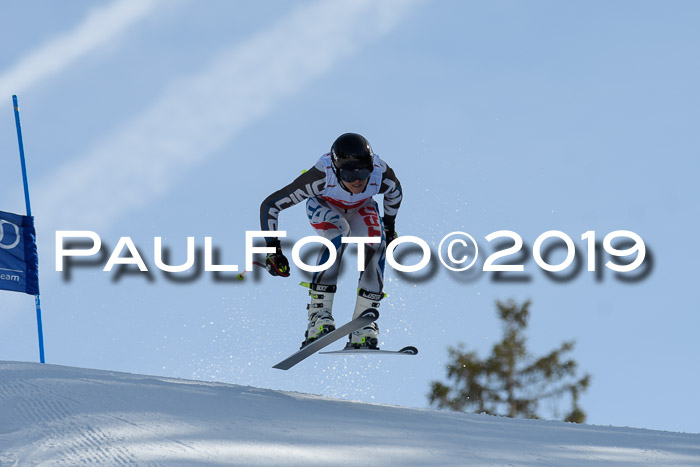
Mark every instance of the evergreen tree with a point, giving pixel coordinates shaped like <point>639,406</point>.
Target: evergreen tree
<point>510,382</point>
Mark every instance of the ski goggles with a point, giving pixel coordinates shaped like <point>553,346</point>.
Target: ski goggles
<point>350,175</point>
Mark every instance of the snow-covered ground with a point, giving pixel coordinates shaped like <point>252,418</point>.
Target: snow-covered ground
<point>55,415</point>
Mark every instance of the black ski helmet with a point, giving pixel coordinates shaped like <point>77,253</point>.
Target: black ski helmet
<point>351,151</point>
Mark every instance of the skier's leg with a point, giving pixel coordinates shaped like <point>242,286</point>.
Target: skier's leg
<point>367,223</point>
<point>330,224</point>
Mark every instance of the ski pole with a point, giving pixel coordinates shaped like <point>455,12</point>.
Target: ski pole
<point>241,276</point>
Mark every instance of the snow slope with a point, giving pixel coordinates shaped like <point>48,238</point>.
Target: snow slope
<point>54,415</point>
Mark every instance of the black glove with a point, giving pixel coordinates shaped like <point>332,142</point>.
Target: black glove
<point>276,263</point>
<point>390,232</point>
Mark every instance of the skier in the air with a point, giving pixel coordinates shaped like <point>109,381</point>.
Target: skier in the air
<point>338,190</point>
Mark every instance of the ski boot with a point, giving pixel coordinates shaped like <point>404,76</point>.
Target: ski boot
<point>320,312</point>
<point>368,336</point>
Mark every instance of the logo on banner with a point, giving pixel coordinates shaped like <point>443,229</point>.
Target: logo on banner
<point>6,241</point>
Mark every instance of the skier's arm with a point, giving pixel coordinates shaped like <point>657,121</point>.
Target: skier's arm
<point>391,188</point>
<point>310,183</point>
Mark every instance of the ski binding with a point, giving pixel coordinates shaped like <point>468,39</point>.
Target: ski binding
<point>365,318</point>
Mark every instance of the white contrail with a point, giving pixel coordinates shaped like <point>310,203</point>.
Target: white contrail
<point>199,114</point>
<point>101,25</point>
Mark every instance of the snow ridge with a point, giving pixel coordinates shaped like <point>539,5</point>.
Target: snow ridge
<point>55,415</point>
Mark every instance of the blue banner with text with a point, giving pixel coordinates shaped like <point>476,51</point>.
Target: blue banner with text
<point>19,260</point>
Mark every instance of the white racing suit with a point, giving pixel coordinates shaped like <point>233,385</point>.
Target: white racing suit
<point>335,213</point>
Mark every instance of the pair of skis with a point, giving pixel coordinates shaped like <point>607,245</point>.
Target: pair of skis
<point>367,317</point>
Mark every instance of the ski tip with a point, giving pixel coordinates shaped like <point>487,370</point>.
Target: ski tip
<point>372,313</point>
<point>409,350</point>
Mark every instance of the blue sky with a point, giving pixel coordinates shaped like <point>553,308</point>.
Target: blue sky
<point>177,118</point>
